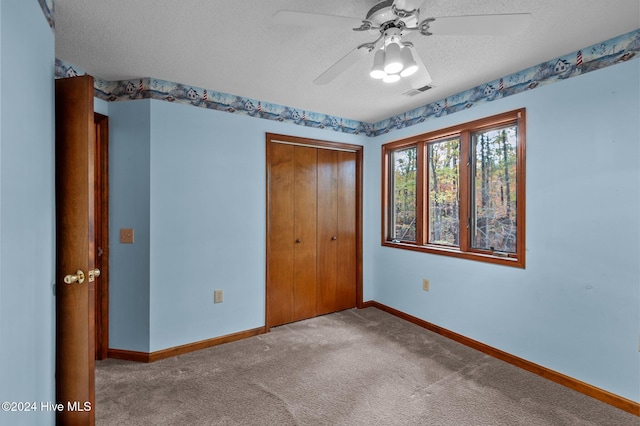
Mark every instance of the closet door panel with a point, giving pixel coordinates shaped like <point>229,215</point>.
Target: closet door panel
<point>327,231</point>
<point>280,300</point>
<point>305,228</point>
<point>346,247</point>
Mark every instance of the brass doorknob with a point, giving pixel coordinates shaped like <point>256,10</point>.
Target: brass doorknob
<point>78,277</point>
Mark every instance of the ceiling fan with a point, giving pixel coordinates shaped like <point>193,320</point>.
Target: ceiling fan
<point>394,58</point>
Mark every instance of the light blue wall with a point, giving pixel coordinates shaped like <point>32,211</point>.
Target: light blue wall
<point>129,165</point>
<point>100,106</point>
<point>576,307</point>
<point>27,210</point>
<point>192,183</point>
<point>207,224</point>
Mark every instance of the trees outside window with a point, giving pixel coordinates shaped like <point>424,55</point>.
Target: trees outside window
<point>459,191</point>
<point>403,200</point>
<point>495,191</point>
<point>443,157</point>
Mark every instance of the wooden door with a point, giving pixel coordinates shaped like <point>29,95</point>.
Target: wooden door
<point>280,237</point>
<point>314,228</point>
<point>292,233</point>
<point>305,168</point>
<point>347,247</point>
<point>327,231</point>
<point>75,156</point>
<point>336,283</point>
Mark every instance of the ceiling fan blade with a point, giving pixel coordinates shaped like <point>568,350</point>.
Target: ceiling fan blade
<point>341,66</point>
<point>408,5</point>
<point>290,17</point>
<point>422,77</point>
<point>501,24</point>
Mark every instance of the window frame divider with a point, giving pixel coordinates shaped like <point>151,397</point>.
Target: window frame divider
<point>422,226</point>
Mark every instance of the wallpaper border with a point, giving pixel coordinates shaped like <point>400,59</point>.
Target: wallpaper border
<point>600,55</point>
<point>48,10</point>
<point>591,58</point>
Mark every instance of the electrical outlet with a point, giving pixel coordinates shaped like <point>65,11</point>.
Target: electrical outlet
<point>217,296</point>
<point>425,284</point>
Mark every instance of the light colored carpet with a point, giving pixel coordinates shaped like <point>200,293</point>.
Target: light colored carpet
<point>356,367</point>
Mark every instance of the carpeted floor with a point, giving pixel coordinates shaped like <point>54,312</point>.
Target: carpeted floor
<point>356,367</point>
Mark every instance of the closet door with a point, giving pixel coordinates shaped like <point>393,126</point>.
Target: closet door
<point>347,231</point>
<point>336,284</point>
<point>281,234</point>
<point>312,228</point>
<point>291,295</point>
<point>327,290</point>
<point>305,228</point>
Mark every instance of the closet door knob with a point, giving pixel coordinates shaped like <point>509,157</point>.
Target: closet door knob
<point>334,238</point>
<point>298,241</point>
<point>78,277</point>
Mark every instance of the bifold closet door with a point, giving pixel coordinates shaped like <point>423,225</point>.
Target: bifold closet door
<point>305,232</point>
<point>336,282</point>
<point>292,233</point>
<point>347,234</point>
<point>312,250</point>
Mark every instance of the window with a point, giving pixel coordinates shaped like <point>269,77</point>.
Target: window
<point>459,191</point>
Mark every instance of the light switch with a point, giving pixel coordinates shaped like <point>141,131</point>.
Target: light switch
<point>126,235</point>
<point>425,284</point>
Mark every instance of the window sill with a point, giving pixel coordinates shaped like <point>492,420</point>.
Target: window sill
<point>455,252</point>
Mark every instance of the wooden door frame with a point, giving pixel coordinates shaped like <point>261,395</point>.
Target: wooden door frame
<point>316,143</point>
<point>102,234</point>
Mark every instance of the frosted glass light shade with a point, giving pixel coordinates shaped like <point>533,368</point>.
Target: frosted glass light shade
<point>377,71</point>
<point>391,78</point>
<point>392,59</point>
<point>410,66</point>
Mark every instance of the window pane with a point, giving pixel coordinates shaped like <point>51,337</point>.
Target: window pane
<point>444,196</point>
<point>403,208</point>
<point>494,199</point>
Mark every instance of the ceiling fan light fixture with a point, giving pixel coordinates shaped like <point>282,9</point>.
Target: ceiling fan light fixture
<point>391,78</point>
<point>409,71</point>
<point>377,71</point>
<point>392,59</point>
<point>410,65</point>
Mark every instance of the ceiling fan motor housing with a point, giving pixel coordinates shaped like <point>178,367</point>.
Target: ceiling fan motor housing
<point>392,35</point>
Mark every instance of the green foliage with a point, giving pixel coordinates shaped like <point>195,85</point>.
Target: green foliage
<point>444,193</point>
<point>493,191</point>
<point>495,196</point>
<point>404,194</point>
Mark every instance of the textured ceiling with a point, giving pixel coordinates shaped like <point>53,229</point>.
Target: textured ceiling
<point>233,46</point>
